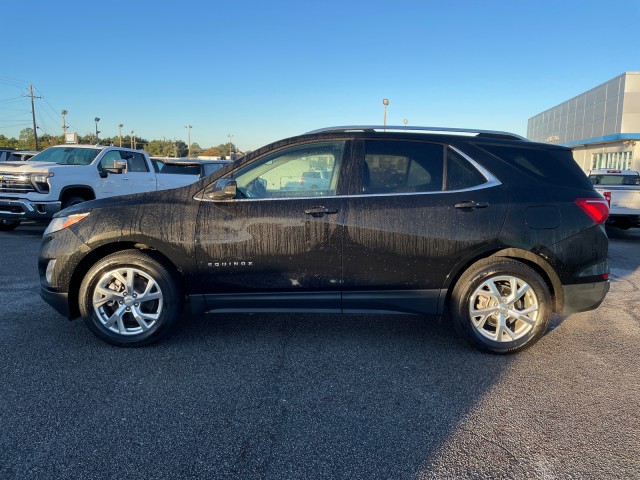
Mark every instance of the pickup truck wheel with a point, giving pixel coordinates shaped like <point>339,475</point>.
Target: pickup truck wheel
<point>130,299</point>
<point>500,305</point>
<point>8,225</point>
<point>68,202</point>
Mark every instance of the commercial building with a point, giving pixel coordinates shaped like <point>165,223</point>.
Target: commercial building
<point>602,125</point>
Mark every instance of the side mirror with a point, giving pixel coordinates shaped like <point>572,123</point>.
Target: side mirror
<point>120,166</point>
<point>223,189</point>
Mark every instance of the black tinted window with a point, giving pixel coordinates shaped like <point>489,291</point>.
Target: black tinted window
<point>552,166</point>
<point>460,173</point>
<point>402,167</point>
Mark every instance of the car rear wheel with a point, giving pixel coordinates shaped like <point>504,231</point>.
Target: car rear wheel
<point>7,225</point>
<point>501,305</point>
<point>130,299</point>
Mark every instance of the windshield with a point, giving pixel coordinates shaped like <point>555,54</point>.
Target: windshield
<point>615,179</point>
<point>67,156</point>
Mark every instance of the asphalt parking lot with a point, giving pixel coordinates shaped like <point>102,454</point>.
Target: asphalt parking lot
<point>316,396</point>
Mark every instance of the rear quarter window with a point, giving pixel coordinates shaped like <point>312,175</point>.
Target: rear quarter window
<point>556,167</point>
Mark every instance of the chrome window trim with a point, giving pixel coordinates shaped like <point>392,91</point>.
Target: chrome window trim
<point>491,182</point>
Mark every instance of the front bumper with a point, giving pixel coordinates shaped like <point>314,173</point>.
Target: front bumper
<point>58,300</point>
<point>584,296</point>
<point>20,209</point>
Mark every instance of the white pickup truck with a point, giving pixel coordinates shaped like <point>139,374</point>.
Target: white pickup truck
<point>621,188</point>
<point>65,175</point>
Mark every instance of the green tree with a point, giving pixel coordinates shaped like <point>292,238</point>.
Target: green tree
<point>26,139</point>
<point>195,150</point>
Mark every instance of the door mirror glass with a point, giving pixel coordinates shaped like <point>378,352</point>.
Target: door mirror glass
<point>223,189</point>
<point>120,166</point>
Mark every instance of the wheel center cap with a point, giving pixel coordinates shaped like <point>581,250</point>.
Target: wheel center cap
<point>503,309</point>
<point>129,301</point>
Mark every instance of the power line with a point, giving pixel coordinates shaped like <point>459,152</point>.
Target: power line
<point>14,81</point>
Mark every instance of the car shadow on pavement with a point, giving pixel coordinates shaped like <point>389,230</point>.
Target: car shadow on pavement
<point>323,395</point>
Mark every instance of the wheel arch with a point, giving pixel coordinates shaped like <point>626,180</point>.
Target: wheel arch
<point>539,264</point>
<point>83,191</point>
<point>107,249</point>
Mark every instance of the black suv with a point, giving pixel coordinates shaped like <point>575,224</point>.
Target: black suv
<point>494,230</point>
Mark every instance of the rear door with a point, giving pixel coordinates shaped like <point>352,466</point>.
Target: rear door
<point>419,209</point>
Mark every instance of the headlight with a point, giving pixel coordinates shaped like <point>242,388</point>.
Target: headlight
<point>61,223</point>
<point>40,181</point>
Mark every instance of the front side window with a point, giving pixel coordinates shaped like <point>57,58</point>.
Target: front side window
<point>136,162</point>
<point>302,171</point>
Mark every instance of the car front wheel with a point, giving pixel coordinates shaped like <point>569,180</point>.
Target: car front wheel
<point>501,305</point>
<point>130,299</point>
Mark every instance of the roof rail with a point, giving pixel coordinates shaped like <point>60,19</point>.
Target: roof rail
<point>373,128</point>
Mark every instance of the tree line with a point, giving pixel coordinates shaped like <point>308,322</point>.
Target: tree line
<point>160,148</point>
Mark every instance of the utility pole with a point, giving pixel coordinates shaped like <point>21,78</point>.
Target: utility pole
<point>120,133</point>
<point>64,125</point>
<point>189,127</point>
<point>33,113</point>
<point>133,140</point>
<point>230,137</point>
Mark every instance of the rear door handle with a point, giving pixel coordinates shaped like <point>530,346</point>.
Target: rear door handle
<point>471,204</point>
<point>320,211</point>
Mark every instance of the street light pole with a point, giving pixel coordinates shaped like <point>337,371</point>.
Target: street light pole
<point>385,102</point>
<point>188,127</point>
<point>97,119</point>
<point>120,133</point>
<point>133,140</point>
<point>64,125</point>
<point>230,137</point>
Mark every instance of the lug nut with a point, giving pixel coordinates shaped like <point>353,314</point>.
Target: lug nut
<point>128,309</point>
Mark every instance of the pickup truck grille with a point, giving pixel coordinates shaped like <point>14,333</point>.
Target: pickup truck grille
<point>12,183</point>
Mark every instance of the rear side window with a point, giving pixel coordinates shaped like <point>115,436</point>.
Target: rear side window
<point>414,167</point>
<point>556,167</point>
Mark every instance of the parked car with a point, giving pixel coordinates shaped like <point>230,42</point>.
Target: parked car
<point>496,231</point>
<point>5,153</point>
<point>65,175</point>
<point>621,188</point>
<point>188,166</point>
<point>22,155</point>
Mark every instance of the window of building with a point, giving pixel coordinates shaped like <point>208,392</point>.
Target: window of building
<point>613,160</point>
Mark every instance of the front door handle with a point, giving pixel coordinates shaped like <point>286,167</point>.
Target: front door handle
<point>320,211</point>
<point>471,204</point>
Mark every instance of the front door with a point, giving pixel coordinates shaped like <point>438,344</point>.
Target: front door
<point>278,244</point>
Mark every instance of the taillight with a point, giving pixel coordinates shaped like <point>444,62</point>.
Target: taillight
<point>607,197</point>
<point>596,208</point>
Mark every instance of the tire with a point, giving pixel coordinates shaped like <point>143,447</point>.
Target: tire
<point>110,308</point>
<point>486,320</point>
<point>68,202</point>
<point>7,225</point>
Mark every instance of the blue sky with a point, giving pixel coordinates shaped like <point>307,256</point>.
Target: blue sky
<point>265,70</point>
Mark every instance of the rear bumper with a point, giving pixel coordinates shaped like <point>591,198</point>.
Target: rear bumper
<point>584,296</point>
<point>20,209</point>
